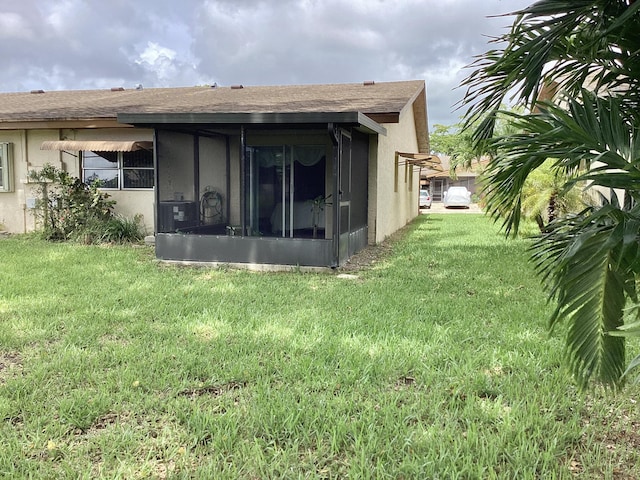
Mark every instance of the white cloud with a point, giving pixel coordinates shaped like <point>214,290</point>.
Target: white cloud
<point>59,14</point>
<point>155,55</point>
<point>159,61</point>
<point>68,44</point>
<point>164,67</point>
<point>14,26</point>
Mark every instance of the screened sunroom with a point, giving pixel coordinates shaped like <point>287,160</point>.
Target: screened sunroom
<point>283,189</point>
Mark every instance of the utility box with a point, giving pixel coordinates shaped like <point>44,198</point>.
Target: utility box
<point>174,215</point>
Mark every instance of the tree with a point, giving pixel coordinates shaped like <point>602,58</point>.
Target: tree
<point>573,65</point>
<point>543,199</point>
<point>454,141</point>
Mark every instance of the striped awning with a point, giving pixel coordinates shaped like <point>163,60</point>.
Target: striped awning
<point>96,145</point>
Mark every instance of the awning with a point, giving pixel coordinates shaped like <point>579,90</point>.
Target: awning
<point>421,160</point>
<point>96,146</point>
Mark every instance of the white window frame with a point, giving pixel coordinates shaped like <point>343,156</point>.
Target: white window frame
<point>120,169</point>
<point>6,164</point>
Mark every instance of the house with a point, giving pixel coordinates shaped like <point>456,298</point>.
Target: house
<point>439,180</point>
<point>291,175</point>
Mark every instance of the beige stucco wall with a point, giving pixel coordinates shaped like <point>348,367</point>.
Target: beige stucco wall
<point>390,210</point>
<point>16,217</point>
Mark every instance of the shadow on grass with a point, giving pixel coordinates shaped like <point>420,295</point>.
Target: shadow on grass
<point>433,363</point>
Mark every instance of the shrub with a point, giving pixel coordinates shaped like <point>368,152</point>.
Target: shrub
<point>122,230</point>
<point>76,211</point>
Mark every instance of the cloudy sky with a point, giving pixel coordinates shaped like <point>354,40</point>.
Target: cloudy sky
<point>86,44</point>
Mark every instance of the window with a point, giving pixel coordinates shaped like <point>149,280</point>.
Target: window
<point>118,170</point>
<point>5,167</point>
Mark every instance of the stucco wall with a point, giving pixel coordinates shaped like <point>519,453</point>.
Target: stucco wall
<point>16,217</point>
<point>390,210</point>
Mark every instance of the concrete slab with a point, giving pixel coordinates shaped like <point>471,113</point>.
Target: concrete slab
<point>438,207</point>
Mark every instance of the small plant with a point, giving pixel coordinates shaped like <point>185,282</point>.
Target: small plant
<point>317,207</point>
<point>122,230</point>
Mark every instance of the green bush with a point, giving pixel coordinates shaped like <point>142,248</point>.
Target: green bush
<point>71,210</point>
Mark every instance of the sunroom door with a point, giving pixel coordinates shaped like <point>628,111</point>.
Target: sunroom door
<point>268,179</point>
<point>344,214</point>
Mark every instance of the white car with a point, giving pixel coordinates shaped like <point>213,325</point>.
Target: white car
<point>425,198</point>
<point>457,197</point>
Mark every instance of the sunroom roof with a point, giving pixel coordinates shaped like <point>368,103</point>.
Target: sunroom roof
<point>255,118</point>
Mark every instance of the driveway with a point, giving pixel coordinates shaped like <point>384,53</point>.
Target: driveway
<point>438,207</point>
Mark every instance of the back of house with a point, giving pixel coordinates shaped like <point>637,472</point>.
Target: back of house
<point>287,175</point>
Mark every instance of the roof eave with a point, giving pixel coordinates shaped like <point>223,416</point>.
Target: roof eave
<point>255,118</point>
<point>48,123</point>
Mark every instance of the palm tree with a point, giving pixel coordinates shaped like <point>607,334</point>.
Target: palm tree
<point>543,199</point>
<point>586,53</point>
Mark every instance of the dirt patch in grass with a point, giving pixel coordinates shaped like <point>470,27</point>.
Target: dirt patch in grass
<point>373,254</point>
<point>617,431</point>
<point>114,339</point>
<point>404,382</point>
<point>619,434</point>
<point>10,365</point>
<point>105,421</point>
<point>156,444</point>
<point>212,390</point>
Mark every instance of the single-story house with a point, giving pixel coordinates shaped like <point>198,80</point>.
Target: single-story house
<point>439,180</point>
<point>292,175</point>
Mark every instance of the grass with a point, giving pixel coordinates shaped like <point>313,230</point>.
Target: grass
<point>433,363</point>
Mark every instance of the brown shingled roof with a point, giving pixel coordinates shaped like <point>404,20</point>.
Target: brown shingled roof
<point>376,98</point>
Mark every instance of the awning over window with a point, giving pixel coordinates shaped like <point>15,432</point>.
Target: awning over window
<point>96,146</point>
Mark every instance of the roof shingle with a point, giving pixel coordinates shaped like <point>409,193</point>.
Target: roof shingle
<point>377,98</point>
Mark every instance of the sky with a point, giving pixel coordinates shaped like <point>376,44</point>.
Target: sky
<point>97,44</point>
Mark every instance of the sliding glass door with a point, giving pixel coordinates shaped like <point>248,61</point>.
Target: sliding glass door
<point>285,191</point>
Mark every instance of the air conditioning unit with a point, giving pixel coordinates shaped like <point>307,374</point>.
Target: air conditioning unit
<point>175,215</point>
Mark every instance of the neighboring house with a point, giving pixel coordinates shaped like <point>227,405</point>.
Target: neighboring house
<point>294,175</point>
<point>439,181</point>
<point>76,131</point>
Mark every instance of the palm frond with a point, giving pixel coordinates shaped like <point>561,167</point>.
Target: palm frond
<point>574,43</point>
<point>635,363</point>
<point>581,261</point>
<point>589,52</point>
<point>592,143</point>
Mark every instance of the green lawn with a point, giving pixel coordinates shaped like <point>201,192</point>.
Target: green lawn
<point>434,362</point>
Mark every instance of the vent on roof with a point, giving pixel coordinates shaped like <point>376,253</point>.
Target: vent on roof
<point>117,89</point>
<point>236,87</point>
<point>368,82</point>
<point>37,91</point>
